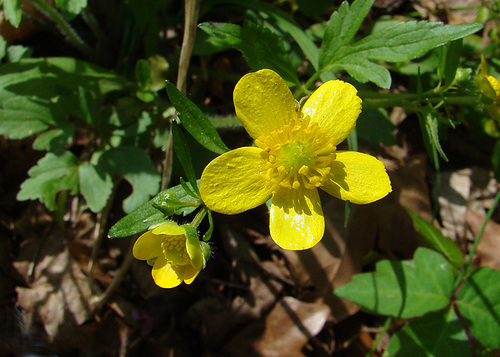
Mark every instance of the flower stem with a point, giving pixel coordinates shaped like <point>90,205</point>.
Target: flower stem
<point>199,217</point>
<point>375,344</point>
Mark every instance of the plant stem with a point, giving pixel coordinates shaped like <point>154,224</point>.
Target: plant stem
<point>375,344</point>
<point>64,27</point>
<point>199,217</point>
<point>472,252</point>
<point>191,10</point>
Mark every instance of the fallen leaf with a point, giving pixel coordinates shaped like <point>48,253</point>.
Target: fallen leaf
<point>285,331</point>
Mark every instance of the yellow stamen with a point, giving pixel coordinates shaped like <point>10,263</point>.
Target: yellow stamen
<point>298,155</point>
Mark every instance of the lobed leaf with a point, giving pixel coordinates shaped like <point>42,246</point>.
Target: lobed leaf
<point>479,304</point>
<point>21,117</point>
<point>435,334</point>
<point>195,122</point>
<point>135,166</point>
<point>403,289</point>
<point>400,42</point>
<point>55,172</point>
<point>96,186</point>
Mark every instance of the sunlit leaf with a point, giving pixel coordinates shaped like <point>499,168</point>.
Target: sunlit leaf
<point>403,289</point>
<point>479,304</point>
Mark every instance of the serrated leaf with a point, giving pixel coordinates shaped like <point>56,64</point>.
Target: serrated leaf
<point>262,48</point>
<point>434,239</point>
<point>195,122</point>
<point>136,222</point>
<point>12,11</point>
<point>403,289</point>
<point>95,185</point>
<point>52,174</point>
<point>135,166</point>
<point>397,43</point>
<point>341,28</point>
<point>21,117</point>
<point>436,334</point>
<point>287,24</point>
<point>479,304</point>
<point>430,132</point>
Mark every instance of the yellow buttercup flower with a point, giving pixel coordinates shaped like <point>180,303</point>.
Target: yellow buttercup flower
<point>176,258</point>
<point>295,154</point>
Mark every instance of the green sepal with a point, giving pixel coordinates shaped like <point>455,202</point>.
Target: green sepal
<point>193,246</point>
<point>167,203</point>
<point>207,252</point>
<point>176,201</point>
<point>139,220</point>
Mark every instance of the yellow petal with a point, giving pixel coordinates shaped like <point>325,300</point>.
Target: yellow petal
<point>335,106</point>
<point>357,177</point>
<point>263,102</point>
<point>171,228</point>
<point>187,273</point>
<point>233,183</point>
<point>296,219</point>
<point>147,246</point>
<point>163,274</point>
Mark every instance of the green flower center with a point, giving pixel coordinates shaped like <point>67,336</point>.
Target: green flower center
<point>298,155</point>
<point>174,250</point>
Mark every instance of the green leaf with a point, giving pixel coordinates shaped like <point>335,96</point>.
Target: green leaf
<point>55,139</point>
<point>434,239</point>
<point>176,201</point>
<point>453,53</point>
<point>136,222</point>
<point>71,8</point>
<point>158,69</point>
<point>53,173</point>
<point>12,11</point>
<point>142,74</point>
<point>3,47</point>
<point>403,289</point>
<point>135,166</point>
<point>182,151</point>
<point>479,304</point>
<point>436,334</point>
<point>341,28</point>
<point>286,23</point>
<point>221,36</point>
<point>15,53</point>
<point>430,131</point>
<point>21,117</point>
<point>95,185</point>
<point>47,78</point>
<point>172,201</point>
<point>195,122</point>
<point>400,42</point>
<point>262,48</point>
